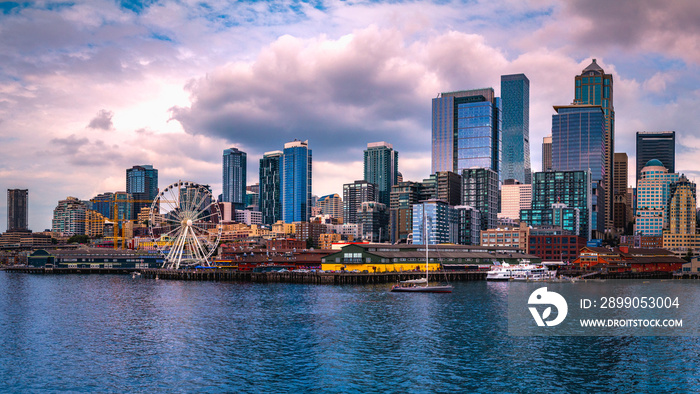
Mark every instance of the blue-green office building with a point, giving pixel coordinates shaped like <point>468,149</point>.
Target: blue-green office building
<point>515,97</point>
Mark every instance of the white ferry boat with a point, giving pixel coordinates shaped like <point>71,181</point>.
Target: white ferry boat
<point>500,272</point>
<point>523,272</point>
<point>534,274</point>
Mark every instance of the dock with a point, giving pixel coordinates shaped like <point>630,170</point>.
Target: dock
<point>321,278</point>
<point>224,275</point>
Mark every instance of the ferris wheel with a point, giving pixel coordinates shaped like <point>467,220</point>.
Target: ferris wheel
<point>184,223</point>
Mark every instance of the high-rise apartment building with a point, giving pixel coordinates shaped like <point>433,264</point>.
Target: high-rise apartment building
<point>270,200</point>
<point>573,189</point>
<point>296,182</point>
<point>515,96</point>
<point>142,185</point>
<point>69,217</point>
<point>514,197</point>
<point>403,196</point>
<point>381,167</point>
<point>373,218</point>
<point>656,145</point>
<point>595,87</point>
<point>547,153</point>
<point>466,131</point>
<point>331,205</point>
<point>469,230</point>
<point>354,194</point>
<point>448,187</point>
<point>17,209</point>
<point>480,191</point>
<point>653,190</point>
<point>235,163</point>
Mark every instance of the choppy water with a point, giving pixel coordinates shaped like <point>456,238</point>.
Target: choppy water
<point>91,333</point>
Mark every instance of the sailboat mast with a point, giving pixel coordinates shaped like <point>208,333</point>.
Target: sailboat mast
<point>425,226</point>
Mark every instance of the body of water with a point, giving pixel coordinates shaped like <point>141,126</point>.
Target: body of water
<point>92,333</point>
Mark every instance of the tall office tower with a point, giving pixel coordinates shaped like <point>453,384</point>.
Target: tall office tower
<point>578,134</point>
<point>653,190</point>
<point>656,145</point>
<point>331,205</point>
<point>69,217</point>
<point>235,163</point>
<point>354,194</point>
<point>595,87</point>
<point>515,96</point>
<point>620,208</point>
<point>295,182</point>
<point>681,236</point>
<point>373,219</point>
<point>572,188</point>
<point>270,200</point>
<point>142,185</point>
<point>466,131</point>
<point>578,144</point>
<point>17,208</point>
<point>547,153</point>
<point>480,190</point>
<point>514,197</point>
<point>440,220</point>
<point>381,167</point>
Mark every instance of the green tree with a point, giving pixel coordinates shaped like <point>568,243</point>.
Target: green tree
<point>78,239</point>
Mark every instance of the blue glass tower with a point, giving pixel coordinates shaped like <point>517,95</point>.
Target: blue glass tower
<point>466,131</point>
<point>578,139</point>
<point>515,94</point>
<point>142,185</point>
<point>295,182</point>
<point>234,177</point>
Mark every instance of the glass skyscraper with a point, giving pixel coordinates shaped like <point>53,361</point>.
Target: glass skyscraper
<point>235,163</point>
<point>270,200</point>
<point>142,185</point>
<point>466,131</point>
<point>515,96</point>
<point>578,139</point>
<point>595,87</point>
<point>656,145</point>
<point>295,182</point>
<point>440,219</point>
<point>381,164</point>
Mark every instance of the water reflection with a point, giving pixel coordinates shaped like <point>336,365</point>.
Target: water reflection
<point>118,334</point>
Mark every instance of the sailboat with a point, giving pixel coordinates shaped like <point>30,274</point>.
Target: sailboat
<point>414,285</point>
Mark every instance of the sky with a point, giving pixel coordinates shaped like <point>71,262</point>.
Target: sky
<point>91,88</point>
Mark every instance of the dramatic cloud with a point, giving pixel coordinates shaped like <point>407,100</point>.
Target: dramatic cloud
<point>175,83</point>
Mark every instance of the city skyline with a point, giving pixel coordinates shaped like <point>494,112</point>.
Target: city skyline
<point>92,88</point>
